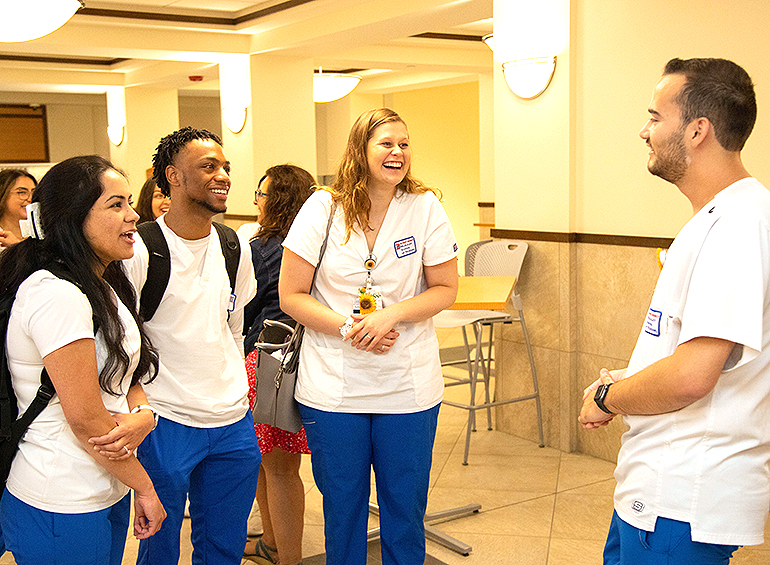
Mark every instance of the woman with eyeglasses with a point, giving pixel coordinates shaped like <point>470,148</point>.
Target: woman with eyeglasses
<point>280,493</point>
<point>16,186</point>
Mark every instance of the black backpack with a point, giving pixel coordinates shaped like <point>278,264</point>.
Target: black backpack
<point>159,265</point>
<point>12,427</point>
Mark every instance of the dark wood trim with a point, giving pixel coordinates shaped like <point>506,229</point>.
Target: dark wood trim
<point>451,36</point>
<point>64,60</point>
<point>185,18</point>
<point>595,238</point>
<point>486,204</point>
<point>241,217</point>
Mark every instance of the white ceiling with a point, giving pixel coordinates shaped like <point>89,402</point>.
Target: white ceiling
<point>163,42</point>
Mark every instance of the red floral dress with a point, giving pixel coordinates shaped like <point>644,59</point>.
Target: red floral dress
<point>267,435</point>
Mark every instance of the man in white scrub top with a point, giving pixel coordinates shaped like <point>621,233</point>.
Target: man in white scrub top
<point>204,445</point>
<point>692,474</point>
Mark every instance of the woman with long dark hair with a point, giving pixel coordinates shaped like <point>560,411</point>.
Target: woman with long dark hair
<point>66,499</point>
<point>16,186</point>
<point>152,203</point>
<point>369,382</point>
<point>280,493</point>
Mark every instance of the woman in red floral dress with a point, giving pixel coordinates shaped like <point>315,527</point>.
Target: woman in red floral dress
<point>280,492</point>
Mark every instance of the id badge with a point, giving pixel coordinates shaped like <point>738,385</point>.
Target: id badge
<point>231,304</point>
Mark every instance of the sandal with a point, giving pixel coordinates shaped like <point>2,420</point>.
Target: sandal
<point>262,554</point>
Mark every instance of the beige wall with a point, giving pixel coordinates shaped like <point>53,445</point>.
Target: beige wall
<point>444,130</point>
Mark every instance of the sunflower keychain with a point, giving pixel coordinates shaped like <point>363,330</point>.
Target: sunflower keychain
<point>369,295</point>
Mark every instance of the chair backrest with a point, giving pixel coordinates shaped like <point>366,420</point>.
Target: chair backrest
<point>499,258</point>
<point>470,256</point>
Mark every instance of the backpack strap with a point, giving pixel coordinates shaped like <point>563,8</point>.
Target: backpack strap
<point>231,249</point>
<point>158,269</point>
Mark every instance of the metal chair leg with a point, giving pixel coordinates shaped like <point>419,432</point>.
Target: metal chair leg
<point>534,377</point>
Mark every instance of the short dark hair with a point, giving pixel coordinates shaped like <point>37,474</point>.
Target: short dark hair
<point>290,186</point>
<point>66,195</point>
<point>8,178</point>
<point>720,91</point>
<point>168,148</point>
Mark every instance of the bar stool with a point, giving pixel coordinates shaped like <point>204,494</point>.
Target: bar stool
<point>489,258</point>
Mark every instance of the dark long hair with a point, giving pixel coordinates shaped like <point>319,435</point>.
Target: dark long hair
<point>144,202</point>
<point>290,186</point>
<point>8,178</point>
<point>66,194</point>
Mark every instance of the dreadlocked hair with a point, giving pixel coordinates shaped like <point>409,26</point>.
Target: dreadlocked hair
<point>167,149</point>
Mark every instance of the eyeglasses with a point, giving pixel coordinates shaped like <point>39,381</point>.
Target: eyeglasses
<point>259,194</point>
<point>24,193</point>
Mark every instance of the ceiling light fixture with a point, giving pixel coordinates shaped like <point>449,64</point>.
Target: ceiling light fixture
<point>332,86</point>
<point>24,20</point>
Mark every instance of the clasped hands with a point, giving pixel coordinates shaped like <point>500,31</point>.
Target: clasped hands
<point>373,332</point>
<point>591,416</point>
<point>129,431</point>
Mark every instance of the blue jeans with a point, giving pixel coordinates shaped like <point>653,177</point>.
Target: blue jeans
<point>670,544</point>
<point>218,468</point>
<point>344,449</point>
<point>92,538</point>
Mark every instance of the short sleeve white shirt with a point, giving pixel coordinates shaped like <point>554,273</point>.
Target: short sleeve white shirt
<point>707,464</point>
<point>52,470</point>
<point>202,379</point>
<point>336,376</point>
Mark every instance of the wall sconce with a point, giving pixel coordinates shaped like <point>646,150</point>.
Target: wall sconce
<point>116,114</point>
<point>115,133</point>
<point>234,118</point>
<point>24,20</point>
<point>332,86</point>
<point>489,41</point>
<point>528,78</point>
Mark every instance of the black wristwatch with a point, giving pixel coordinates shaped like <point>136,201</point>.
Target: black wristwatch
<point>601,394</point>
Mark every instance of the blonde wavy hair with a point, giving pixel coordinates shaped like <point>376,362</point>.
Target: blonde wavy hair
<point>350,187</point>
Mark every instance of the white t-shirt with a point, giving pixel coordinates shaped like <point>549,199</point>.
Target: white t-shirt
<point>334,375</point>
<point>52,471</point>
<point>202,380</point>
<point>707,464</point>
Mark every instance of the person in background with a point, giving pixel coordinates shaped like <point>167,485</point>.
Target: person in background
<point>369,382</point>
<point>66,499</point>
<point>280,492</point>
<point>16,186</point>
<point>152,203</point>
<point>692,473</point>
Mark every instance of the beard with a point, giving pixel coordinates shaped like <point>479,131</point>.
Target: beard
<point>670,158</point>
<point>210,207</point>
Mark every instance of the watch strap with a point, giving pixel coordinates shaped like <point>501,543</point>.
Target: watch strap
<point>601,394</point>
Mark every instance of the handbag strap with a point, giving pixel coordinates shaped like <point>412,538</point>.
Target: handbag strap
<point>325,243</point>
<point>290,363</point>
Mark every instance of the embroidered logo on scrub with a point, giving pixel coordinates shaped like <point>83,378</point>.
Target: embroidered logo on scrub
<point>652,323</point>
<point>406,246</point>
<point>637,506</point>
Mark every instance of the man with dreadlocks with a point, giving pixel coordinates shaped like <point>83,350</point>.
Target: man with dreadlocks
<point>204,445</point>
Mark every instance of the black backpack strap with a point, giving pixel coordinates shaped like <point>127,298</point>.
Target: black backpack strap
<point>231,249</point>
<point>158,269</point>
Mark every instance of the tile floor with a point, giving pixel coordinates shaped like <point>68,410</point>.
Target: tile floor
<point>538,506</point>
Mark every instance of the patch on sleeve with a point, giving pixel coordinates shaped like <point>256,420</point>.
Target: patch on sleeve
<point>405,247</point>
<point>652,323</point>
<point>455,248</point>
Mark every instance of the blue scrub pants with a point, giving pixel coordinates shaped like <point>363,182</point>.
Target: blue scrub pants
<point>344,448</point>
<point>670,544</point>
<point>218,468</point>
<point>92,538</point>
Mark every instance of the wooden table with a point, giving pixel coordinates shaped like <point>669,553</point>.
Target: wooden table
<point>483,293</point>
